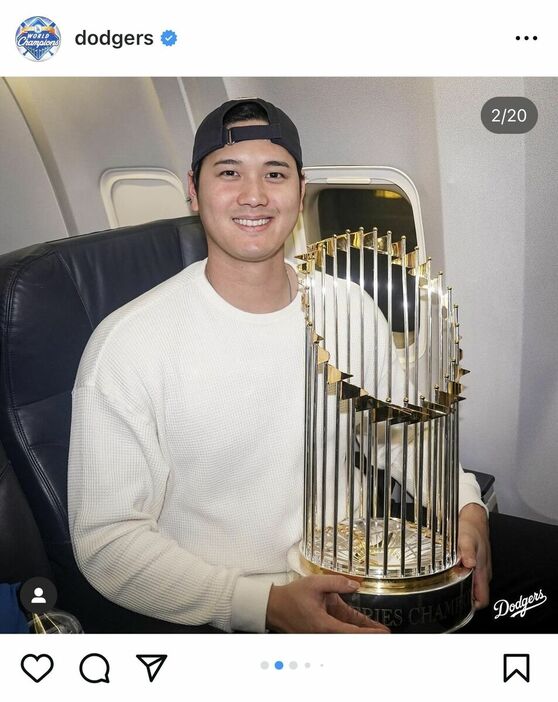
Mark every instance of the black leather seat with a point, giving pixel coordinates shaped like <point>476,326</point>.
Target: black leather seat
<point>22,554</point>
<point>52,296</point>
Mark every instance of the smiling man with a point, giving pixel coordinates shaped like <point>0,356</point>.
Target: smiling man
<point>186,456</point>
<point>249,195</point>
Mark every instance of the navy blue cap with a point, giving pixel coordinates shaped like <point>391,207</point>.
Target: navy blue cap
<point>212,133</point>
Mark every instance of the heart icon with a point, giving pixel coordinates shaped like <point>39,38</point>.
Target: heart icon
<point>37,667</point>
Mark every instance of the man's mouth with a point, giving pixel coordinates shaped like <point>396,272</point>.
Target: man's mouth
<point>252,222</point>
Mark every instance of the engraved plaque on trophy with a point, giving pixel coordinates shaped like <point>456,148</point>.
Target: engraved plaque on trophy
<point>381,474</point>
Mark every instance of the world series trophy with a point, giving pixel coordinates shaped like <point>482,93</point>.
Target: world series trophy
<point>381,469</point>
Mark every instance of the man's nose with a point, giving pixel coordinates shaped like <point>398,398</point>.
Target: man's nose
<point>252,192</point>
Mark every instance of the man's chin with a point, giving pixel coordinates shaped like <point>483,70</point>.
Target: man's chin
<point>257,255</point>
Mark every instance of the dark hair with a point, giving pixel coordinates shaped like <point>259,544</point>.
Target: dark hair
<point>242,112</point>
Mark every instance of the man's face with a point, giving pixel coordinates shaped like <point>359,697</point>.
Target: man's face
<point>249,199</point>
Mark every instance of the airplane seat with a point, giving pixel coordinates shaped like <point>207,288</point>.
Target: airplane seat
<point>22,553</point>
<point>52,296</point>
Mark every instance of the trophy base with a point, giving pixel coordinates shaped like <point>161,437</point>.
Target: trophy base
<point>431,604</point>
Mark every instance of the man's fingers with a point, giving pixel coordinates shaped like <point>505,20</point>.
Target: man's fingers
<point>334,625</point>
<point>313,604</point>
<point>467,552</point>
<point>335,583</point>
<point>481,590</point>
<point>349,615</point>
<point>345,613</point>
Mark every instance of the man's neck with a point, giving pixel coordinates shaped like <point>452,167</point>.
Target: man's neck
<point>257,287</point>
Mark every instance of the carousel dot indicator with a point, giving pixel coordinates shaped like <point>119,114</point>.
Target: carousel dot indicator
<point>278,665</point>
<point>264,665</point>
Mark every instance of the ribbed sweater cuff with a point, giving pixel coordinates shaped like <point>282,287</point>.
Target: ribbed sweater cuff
<point>249,605</point>
<point>470,494</point>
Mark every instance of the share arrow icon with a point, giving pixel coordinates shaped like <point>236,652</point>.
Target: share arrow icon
<point>153,663</point>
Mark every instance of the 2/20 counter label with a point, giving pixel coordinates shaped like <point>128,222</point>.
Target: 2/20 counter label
<point>509,115</point>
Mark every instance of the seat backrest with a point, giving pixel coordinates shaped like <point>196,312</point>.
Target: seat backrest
<point>22,554</point>
<point>52,296</point>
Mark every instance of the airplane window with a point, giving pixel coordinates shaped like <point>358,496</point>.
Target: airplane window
<point>138,195</point>
<point>350,208</point>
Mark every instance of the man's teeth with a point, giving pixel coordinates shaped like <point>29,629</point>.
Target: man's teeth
<point>252,222</point>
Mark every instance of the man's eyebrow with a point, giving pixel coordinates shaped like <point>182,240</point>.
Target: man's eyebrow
<point>227,162</point>
<point>282,164</point>
<point>235,162</point>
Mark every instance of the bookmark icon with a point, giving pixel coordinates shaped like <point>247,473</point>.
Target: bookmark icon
<point>516,664</point>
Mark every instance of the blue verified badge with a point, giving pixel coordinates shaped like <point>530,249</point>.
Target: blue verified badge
<point>168,37</point>
<point>37,38</point>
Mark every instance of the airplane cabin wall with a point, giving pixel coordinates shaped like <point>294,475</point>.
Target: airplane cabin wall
<point>28,206</point>
<point>487,200</point>
<point>83,126</point>
<point>500,210</point>
<point>535,473</point>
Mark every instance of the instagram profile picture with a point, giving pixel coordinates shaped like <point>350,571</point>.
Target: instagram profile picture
<point>37,38</point>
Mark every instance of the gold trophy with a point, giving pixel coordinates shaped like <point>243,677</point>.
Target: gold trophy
<point>381,472</point>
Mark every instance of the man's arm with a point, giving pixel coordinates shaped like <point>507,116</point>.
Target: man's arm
<point>117,479</point>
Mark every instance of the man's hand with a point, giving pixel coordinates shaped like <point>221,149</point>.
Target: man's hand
<point>312,605</point>
<point>474,550</point>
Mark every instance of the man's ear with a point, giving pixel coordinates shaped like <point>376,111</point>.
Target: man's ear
<point>192,194</point>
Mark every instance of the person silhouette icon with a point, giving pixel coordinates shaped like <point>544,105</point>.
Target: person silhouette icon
<point>38,596</point>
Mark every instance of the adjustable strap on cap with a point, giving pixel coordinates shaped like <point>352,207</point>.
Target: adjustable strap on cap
<point>256,131</point>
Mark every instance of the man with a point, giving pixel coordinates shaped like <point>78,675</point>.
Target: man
<point>185,473</point>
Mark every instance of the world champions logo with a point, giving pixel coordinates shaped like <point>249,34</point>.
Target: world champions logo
<point>37,38</point>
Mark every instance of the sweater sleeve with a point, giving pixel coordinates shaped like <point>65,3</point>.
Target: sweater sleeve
<point>117,480</point>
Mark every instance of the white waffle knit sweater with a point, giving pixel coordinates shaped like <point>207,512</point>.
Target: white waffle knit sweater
<point>185,475</point>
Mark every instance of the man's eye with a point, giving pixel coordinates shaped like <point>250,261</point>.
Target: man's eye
<point>228,173</point>
<point>276,175</point>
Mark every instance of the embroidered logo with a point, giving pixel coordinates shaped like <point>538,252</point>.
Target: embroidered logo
<point>503,608</point>
<point>37,38</point>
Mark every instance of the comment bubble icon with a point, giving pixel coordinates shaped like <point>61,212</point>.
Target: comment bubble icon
<point>94,668</point>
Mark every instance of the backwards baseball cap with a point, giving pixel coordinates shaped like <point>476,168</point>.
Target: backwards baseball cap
<point>212,133</point>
